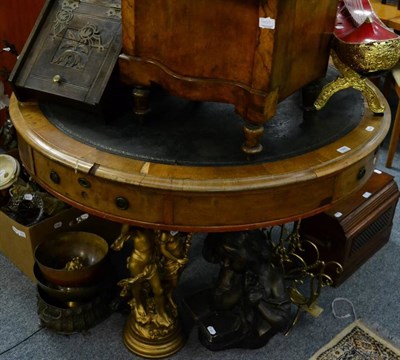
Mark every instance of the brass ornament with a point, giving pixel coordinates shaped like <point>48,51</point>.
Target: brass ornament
<point>307,275</point>
<point>369,57</point>
<point>349,79</point>
<point>75,263</point>
<point>155,265</point>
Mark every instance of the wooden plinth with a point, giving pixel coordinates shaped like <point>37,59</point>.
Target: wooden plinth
<point>196,198</point>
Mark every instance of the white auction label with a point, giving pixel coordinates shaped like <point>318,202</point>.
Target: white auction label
<point>338,214</point>
<point>28,197</point>
<point>266,23</point>
<point>343,149</point>
<point>377,171</point>
<point>57,225</point>
<point>85,216</point>
<point>370,128</point>
<point>367,194</point>
<point>211,330</point>
<point>20,233</point>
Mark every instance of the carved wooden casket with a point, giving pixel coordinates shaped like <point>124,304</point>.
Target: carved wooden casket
<point>71,52</point>
<point>356,228</point>
<point>250,53</point>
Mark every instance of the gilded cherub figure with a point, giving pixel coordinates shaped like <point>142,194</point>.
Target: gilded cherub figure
<point>175,256</point>
<point>143,265</point>
<point>155,264</point>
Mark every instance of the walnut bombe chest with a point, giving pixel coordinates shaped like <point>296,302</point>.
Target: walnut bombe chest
<point>250,53</point>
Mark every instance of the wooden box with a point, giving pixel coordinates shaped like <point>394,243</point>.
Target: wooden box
<point>356,228</point>
<point>71,53</point>
<point>18,242</point>
<point>250,53</point>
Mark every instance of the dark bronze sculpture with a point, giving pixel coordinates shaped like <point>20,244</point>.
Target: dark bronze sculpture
<point>249,303</point>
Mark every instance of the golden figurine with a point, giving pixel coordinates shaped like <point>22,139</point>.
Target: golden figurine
<point>175,253</point>
<point>155,264</point>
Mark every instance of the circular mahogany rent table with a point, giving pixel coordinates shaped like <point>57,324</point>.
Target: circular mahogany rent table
<point>186,172</point>
<point>244,195</point>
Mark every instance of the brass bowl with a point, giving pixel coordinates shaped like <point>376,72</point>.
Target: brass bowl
<point>369,57</point>
<point>9,171</point>
<point>54,255</point>
<point>64,319</point>
<point>67,294</point>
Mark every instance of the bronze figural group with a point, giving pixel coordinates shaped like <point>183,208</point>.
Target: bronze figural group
<point>154,265</point>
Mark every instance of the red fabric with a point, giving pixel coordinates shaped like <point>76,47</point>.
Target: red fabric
<point>373,29</point>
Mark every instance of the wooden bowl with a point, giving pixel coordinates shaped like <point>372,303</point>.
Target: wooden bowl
<point>55,254</point>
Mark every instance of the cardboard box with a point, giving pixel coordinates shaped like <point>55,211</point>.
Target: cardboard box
<point>17,242</point>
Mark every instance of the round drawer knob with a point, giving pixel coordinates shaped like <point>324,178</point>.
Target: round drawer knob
<point>122,203</point>
<point>57,79</point>
<point>84,183</point>
<point>361,173</point>
<point>54,177</point>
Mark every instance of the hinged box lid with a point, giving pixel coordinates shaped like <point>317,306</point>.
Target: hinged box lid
<point>71,52</point>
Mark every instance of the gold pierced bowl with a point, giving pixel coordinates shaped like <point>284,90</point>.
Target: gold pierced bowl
<point>369,57</point>
<point>72,259</point>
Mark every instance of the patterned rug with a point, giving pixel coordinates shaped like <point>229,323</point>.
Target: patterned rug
<point>357,342</point>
